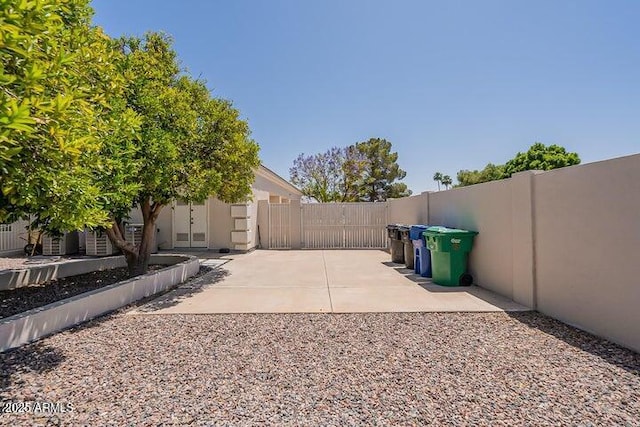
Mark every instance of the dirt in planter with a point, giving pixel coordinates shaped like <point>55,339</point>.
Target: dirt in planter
<point>16,301</point>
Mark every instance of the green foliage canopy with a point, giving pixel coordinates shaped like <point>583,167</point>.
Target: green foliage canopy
<point>60,107</point>
<point>538,157</point>
<point>91,127</point>
<point>189,146</point>
<point>541,157</point>
<point>381,170</point>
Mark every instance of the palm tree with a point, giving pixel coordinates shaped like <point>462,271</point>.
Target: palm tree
<point>446,181</point>
<point>437,177</point>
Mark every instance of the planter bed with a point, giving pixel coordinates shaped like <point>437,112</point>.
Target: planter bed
<point>38,322</point>
<point>16,301</point>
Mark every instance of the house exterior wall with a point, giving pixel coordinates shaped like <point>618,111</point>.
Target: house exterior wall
<point>259,234</point>
<point>263,184</point>
<point>165,228</point>
<point>224,229</point>
<point>221,224</point>
<point>164,224</point>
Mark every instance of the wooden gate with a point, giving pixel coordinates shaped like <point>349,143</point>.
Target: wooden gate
<point>344,225</point>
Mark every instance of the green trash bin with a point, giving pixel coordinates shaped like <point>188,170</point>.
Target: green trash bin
<point>449,252</point>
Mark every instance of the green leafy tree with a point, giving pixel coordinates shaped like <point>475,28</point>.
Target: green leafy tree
<point>541,157</point>
<point>380,171</point>
<point>90,128</point>
<point>437,177</point>
<point>60,108</point>
<point>189,146</point>
<point>446,181</point>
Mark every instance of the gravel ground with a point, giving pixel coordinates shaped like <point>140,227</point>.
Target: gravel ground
<point>493,369</point>
<point>25,298</point>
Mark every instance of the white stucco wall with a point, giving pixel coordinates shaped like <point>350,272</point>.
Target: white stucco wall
<point>263,184</point>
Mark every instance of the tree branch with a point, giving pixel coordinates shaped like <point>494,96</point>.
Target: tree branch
<point>155,210</point>
<point>116,236</point>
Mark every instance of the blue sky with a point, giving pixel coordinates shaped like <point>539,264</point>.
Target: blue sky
<point>452,84</point>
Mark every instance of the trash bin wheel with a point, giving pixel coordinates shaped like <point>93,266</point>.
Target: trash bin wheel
<point>466,280</point>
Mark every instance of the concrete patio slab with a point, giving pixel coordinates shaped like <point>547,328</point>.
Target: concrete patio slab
<point>275,269</point>
<point>320,281</point>
<point>249,300</point>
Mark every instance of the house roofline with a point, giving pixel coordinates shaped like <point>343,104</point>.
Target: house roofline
<point>271,175</point>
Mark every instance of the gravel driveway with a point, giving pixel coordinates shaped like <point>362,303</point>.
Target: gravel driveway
<point>326,369</point>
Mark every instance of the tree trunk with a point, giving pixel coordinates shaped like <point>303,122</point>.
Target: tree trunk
<point>137,265</point>
<point>141,264</point>
<point>137,256</point>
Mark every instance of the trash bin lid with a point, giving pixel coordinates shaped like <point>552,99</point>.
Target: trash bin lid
<point>436,229</point>
<point>416,231</point>
<point>393,226</point>
<point>449,231</point>
<point>403,227</point>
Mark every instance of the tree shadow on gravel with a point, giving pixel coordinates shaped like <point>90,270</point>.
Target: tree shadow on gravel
<point>612,353</point>
<point>37,358</point>
<point>207,277</point>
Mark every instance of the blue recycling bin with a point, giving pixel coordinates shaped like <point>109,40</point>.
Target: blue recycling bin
<point>422,255</point>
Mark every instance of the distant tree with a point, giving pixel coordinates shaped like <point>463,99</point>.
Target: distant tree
<point>446,181</point>
<point>380,171</point>
<point>538,157</point>
<point>467,177</point>
<point>365,171</point>
<point>541,157</point>
<point>437,177</point>
<point>332,176</point>
<point>490,172</point>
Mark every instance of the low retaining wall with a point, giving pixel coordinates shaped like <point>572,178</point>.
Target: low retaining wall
<point>16,278</point>
<point>39,322</point>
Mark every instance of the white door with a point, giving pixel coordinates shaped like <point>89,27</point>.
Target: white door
<point>189,225</point>
<point>199,225</point>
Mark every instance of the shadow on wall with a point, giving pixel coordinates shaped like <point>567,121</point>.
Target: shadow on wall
<point>207,276</point>
<point>606,350</point>
<point>38,358</point>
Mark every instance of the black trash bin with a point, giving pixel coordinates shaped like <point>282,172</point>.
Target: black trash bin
<point>397,246</point>
<point>407,245</point>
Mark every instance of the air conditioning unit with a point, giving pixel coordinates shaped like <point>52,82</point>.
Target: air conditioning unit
<point>64,245</point>
<point>133,234</point>
<point>98,244</point>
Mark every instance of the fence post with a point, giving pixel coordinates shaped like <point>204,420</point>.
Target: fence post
<point>295,224</point>
<point>523,238</point>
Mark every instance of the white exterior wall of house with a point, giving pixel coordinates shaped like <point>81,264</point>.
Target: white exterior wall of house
<point>229,225</point>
